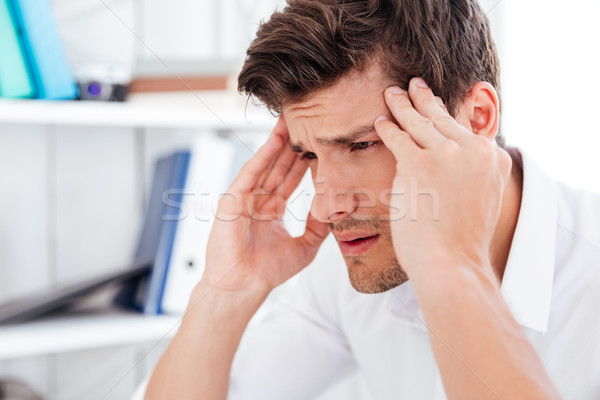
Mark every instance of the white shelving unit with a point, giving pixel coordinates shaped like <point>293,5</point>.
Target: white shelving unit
<point>73,177</point>
<point>47,336</point>
<point>219,111</point>
<point>85,159</point>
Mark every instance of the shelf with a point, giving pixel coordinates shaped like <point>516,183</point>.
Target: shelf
<point>211,110</point>
<point>79,332</point>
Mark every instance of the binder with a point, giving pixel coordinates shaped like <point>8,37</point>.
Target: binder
<point>162,217</point>
<point>15,81</point>
<point>50,72</point>
<point>211,166</point>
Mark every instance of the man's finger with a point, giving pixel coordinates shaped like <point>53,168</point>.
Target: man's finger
<point>314,234</point>
<point>400,143</point>
<point>279,170</point>
<point>281,129</point>
<point>420,128</point>
<point>429,106</point>
<point>292,179</point>
<point>254,168</point>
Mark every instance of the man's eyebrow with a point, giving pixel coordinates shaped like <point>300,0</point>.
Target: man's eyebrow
<point>351,137</point>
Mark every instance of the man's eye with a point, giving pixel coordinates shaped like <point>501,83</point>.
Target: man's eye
<point>308,156</point>
<point>362,145</point>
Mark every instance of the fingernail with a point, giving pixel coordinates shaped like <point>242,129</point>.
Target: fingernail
<point>420,82</point>
<point>439,101</point>
<point>381,118</point>
<point>396,90</point>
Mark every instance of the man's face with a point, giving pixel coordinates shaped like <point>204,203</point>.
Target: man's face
<point>353,172</point>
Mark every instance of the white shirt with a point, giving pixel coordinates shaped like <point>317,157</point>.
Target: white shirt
<point>321,329</point>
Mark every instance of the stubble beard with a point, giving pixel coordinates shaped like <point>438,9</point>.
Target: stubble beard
<point>366,278</point>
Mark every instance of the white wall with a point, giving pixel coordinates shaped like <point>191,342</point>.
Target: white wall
<point>550,63</point>
<point>131,33</point>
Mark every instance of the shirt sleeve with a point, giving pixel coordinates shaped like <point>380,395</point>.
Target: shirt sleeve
<point>292,349</point>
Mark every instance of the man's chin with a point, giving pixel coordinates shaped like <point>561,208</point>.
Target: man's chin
<point>369,280</point>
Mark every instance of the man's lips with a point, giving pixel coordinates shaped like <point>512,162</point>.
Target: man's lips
<point>353,244</point>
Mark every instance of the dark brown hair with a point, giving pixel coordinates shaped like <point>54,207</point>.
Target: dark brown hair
<point>311,44</point>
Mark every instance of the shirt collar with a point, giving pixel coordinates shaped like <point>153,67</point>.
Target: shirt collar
<point>402,303</point>
<point>528,277</point>
<point>529,274</point>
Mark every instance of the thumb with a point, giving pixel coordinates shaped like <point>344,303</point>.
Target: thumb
<point>315,233</point>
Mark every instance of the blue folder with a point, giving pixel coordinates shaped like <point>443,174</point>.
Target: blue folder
<point>162,214</point>
<point>15,81</point>
<point>50,71</point>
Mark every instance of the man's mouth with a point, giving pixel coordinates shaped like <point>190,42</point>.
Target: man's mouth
<point>353,245</point>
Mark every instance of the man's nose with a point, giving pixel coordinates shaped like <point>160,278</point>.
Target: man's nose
<point>334,200</point>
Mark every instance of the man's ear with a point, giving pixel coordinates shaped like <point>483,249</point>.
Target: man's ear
<point>480,111</point>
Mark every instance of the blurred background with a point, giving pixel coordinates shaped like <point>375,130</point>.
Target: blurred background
<point>75,176</point>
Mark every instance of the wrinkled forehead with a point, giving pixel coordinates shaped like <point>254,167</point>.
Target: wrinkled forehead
<point>348,106</point>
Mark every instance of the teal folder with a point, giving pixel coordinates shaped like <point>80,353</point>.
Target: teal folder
<point>50,70</point>
<point>15,81</point>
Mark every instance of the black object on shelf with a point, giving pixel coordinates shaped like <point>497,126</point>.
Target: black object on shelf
<point>101,91</point>
<point>40,303</point>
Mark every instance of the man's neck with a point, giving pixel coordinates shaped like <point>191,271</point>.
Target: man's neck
<point>509,215</point>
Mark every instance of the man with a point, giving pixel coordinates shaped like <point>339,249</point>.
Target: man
<point>482,273</point>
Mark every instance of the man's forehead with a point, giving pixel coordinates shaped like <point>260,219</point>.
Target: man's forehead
<point>313,119</point>
<point>316,105</point>
<point>316,124</point>
<point>354,87</point>
<point>342,113</point>
<point>351,135</point>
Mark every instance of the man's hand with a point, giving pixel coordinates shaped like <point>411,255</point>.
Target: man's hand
<point>443,245</point>
<point>249,248</point>
<point>249,253</point>
<point>448,188</point>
